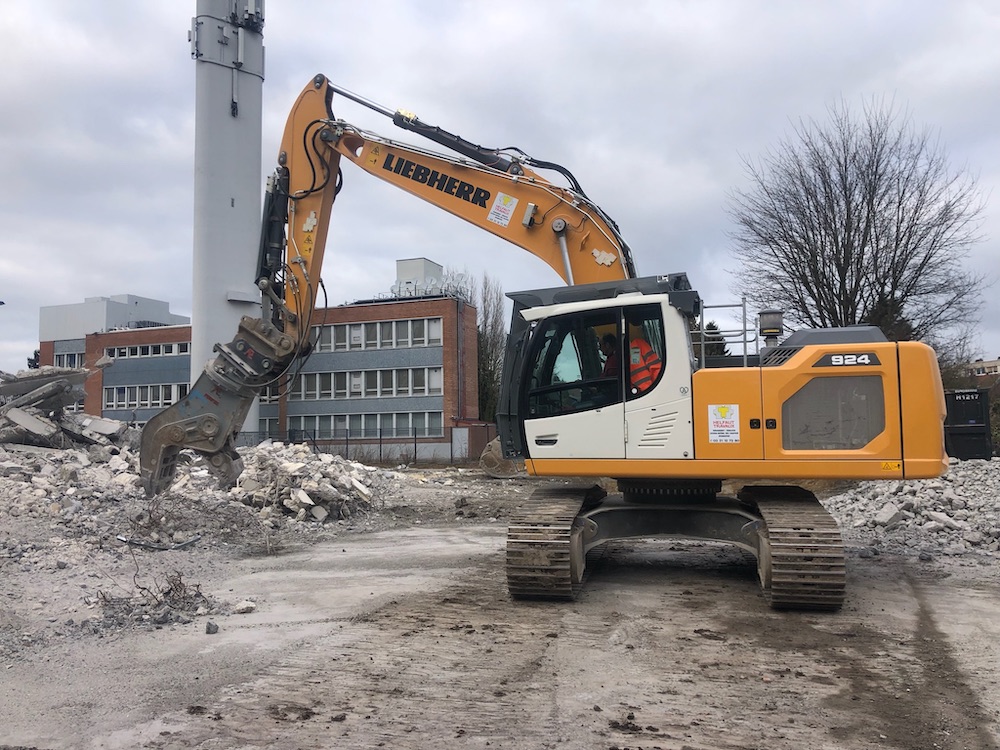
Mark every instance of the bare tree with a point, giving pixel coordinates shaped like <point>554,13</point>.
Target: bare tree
<point>955,359</point>
<point>492,335</point>
<point>860,220</point>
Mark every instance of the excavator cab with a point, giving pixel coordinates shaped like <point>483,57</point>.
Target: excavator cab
<point>575,406</point>
<point>572,404</point>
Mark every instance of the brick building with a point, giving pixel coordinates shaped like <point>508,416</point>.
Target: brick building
<point>400,367</point>
<point>385,369</point>
<point>148,343</point>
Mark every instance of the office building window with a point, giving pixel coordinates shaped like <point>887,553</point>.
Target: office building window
<point>435,381</point>
<point>382,425</point>
<point>418,382</point>
<point>269,426</point>
<point>145,350</point>
<point>409,381</point>
<point>371,383</point>
<point>70,359</point>
<point>418,336</point>
<point>144,396</point>
<point>322,338</point>
<point>434,332</point>
<point>388,334</point>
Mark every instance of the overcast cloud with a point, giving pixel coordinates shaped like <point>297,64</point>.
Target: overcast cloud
<point>652,105</point>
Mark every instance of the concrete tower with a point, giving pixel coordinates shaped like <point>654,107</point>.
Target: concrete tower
<point>228,48</point>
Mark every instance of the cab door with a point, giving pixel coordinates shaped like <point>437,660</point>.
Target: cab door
<point>658,398</point>
<point>573,406</point>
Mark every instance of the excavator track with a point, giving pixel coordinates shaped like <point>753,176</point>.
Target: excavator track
<point>801,559</point>
<point>545,558</point>
<point>800,553</point>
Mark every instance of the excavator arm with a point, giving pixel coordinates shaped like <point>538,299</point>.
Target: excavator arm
<point>498,190</point>
<point>293,238</point>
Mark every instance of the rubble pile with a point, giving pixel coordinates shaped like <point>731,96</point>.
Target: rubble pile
<point>33,411</point>
<point>280,480</point>
<point>97,459</point>
<point>956,514</point>
<point>96,492</point>
<point>77,528</point>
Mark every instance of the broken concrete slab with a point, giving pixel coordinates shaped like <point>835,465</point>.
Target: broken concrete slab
<point>27,381</point>
<point>33,423</point>
<point>34,411</point>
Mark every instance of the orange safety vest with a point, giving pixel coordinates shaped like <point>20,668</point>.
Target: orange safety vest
<point>644,365</point>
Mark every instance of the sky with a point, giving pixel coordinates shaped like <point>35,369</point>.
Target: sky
<point>655,107</point>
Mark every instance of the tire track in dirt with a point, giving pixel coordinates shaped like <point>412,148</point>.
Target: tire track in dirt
<point>898,682</point>
<point>432,669</point>
<point>670,646</point>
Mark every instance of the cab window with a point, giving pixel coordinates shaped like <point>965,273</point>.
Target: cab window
<point>645,355</point>
<point>569,369</point>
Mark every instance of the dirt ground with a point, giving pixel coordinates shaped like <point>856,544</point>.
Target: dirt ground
<point>397,632</point>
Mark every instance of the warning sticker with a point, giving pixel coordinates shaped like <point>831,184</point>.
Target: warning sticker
<point>891,466</point>
<point>723,423</point>
<point>503,209</point>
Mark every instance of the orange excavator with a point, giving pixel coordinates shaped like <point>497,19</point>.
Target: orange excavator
<point>600,376</point>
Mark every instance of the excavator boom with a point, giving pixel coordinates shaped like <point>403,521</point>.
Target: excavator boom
<point>495,190</point>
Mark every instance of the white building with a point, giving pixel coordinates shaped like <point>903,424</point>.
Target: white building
<point>985,367</point>
<point>69,325</point>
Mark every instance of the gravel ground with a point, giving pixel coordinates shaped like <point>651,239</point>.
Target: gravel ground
<point>224,619</point>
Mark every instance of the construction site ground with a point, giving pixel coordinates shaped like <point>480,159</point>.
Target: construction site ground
<point>395,630</point>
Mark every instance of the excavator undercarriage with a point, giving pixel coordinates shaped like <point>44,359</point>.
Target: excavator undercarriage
<point>797,543</point>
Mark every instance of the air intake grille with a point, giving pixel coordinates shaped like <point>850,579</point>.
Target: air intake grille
<point>778,356</point>
<point>658,430</point>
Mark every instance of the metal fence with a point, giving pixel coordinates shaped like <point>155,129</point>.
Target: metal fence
<point>455,446</point>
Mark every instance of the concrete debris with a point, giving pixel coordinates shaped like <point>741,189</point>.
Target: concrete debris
<point>889,515</point>
<point>33,411</point>
<point>278,481</point>
<point>54,379</point>
<point>956,514</point>
<point>95,489</point>
<point>33,423</point>
<point>309,486</point>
